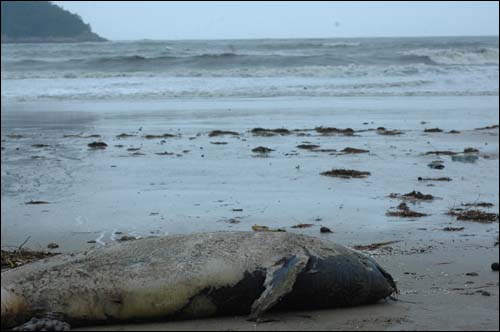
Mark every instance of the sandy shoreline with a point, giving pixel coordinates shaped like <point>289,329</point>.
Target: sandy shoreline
<point>203,186</point>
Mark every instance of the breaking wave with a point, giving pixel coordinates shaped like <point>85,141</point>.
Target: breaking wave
<point>481,56</point>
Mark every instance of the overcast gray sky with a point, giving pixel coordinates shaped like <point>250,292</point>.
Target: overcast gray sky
<point>274,19</point>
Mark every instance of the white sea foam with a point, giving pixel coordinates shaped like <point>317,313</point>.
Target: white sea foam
<point>481,56</point>
<point>251,69</point>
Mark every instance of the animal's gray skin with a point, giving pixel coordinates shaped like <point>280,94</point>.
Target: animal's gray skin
<point>197,275</point>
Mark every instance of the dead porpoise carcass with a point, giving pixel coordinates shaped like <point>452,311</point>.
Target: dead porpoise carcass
<point>191,276</point>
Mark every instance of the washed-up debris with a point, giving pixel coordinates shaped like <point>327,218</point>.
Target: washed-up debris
<point>215,133</point>
<point>349,150</point>
<point>325,230</point>
<point>434,179</point>
<point>233,221</point>
<point>488,127</point>
<point>125,135</point>
<point>159,136</point>
<point>303,226</point>
<point>119,146</point>
<point>465,158</point>
<point>436,164</point>
<point>97,145</point>
<point>471,150</point>
<point>474,215</point>
<point>32,202</point>
<point>494,266</point>
<point>404,211</point>
<point>417,195</point>
<point>413,196</point>
<point>164,153</point>
<point>334,131</point>
<point>40,145</point>
<point>472,274</point>
<point>262,149</point>
<point>257,228</point>
<point>307,146</point>
<point>133,149</point>
<point>479,204</point>
<point>15,136</point>
<point>270,132</point>
<point>346,173</point>
<point>15,258</point>
<point>441,153</point>
<point>237,210</point>
<point>126,238</point>
<point>218,143</point>
<point>454,132</point>
<point>52,245</point>
<point>453,229</point>
<point>384,131</point>
<point>81,136</point>
<point>433,130</point>
<point>374,246</point>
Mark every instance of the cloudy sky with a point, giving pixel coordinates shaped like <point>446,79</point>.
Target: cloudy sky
<point>127,20</point>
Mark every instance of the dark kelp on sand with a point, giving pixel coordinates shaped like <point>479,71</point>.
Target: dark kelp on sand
<point>413,196</point>
<point>150,136</point>
<point>473,215</point>
<point>32,202</point>
<point>350,150</point>
<point>257,228</point>
<point>435,179</point>
<point>433,130</point>
<point>479,204</point>
<point>374,246</point>
<point>262,149</point>
<point>436,164</point>
<point>14,258</point>
<point>215,133</point>
<point>346,173</point>
<point>453,229</point>
<point>303,226</point>
<point>404,211</point>
<point>81,136</point>
<point>125,135</point>
<point>334,131</point>
<point>97,145</point>
<point>307,146</point>
<point>385,132</point>
<point>488,127</point>
<point>270,132</point>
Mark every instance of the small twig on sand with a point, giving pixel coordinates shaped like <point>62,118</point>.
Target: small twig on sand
<point>22,244</point>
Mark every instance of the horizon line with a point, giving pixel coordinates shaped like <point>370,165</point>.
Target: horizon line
<point>296,38</point>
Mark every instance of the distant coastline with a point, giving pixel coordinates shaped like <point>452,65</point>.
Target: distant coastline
<point>43,22</point>
<point>35,40</point>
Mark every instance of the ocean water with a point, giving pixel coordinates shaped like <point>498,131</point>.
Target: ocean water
<point>165,70</point>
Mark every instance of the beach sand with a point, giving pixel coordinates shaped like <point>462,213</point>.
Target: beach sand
<point>193,182</point>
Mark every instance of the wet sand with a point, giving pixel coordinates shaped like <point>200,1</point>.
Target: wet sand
<point>184,184</point>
